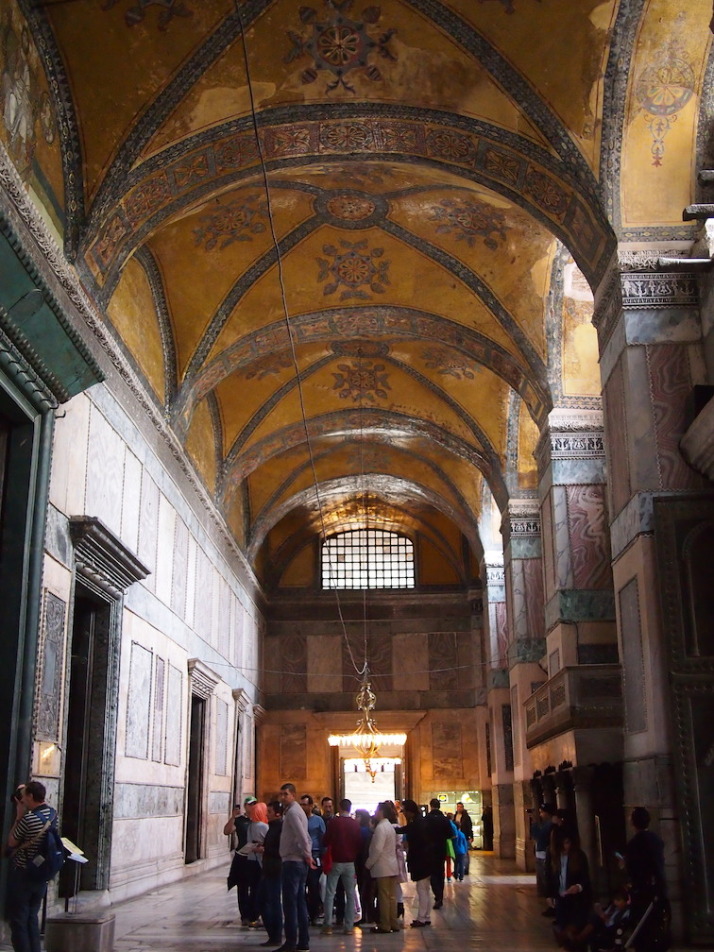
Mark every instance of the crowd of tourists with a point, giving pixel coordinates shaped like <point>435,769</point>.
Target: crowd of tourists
<point>297,864</point>
<point>637,916</point>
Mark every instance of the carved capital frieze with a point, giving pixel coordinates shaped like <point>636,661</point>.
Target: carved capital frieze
<point>634,279</point>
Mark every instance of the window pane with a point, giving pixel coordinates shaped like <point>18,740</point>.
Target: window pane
<point>368,558</point>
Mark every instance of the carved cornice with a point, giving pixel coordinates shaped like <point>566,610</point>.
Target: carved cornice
<point>241,700</point>
<point>203,680</point>
<point>102,558</point>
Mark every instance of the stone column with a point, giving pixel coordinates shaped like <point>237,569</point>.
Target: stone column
<point>582,788</point>
<point>499,704</point>
<point>650,336</point>
<point>579,604</point>
<point>526,647</point>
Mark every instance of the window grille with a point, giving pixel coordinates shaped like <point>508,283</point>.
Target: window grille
<point>368,558</point>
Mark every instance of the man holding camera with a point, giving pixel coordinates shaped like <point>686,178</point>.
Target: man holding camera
<point>25,894</point>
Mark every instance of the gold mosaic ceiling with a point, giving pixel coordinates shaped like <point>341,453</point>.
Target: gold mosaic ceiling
<point>379,219</point>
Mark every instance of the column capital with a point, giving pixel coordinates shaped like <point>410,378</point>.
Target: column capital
<point>570,435</point>
<point>521,520</point>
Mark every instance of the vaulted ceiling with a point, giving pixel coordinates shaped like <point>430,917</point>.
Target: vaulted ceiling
<point>374,224</point>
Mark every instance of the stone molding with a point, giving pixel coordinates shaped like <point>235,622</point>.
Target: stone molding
<point>242,700</point>
<point>203,681</point>
<point>102,558</point>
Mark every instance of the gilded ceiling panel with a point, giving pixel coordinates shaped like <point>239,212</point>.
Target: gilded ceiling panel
<point>491,237</point>
<point>220,241</point>
<point>300,53</point>
<point>132,311</point>
<point>560,47</point>
<point>98,43</point>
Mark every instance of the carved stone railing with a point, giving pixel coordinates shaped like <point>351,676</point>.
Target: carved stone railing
<point>581,697</point>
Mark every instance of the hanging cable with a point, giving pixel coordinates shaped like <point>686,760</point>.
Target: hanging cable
<point>286,314</point>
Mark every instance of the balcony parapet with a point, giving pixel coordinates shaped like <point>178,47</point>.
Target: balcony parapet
<point>580,697</point>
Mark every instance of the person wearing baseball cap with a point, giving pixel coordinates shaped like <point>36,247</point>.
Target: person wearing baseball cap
<point>238,823</point>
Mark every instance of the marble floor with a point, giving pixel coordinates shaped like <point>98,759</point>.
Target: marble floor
<point>495,910</point>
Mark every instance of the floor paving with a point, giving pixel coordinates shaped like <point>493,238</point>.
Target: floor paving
<point>494,909</point>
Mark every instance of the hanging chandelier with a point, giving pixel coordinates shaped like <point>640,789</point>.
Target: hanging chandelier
<point>366,739</point>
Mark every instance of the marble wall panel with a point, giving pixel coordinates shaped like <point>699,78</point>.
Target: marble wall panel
<point>224,619</point>
<point>138,710</point>
<point>165,561</point>
<point>157,734</point>
<point>507,721</point>
<point>535,604</point>
<point>292,663</point>
<point>221,738</point>
<point>174,716</point>
<point>69,457</point>
<point>447,750</point>
<point>149,527</point>
<point>190,580</point>
<point>519,602</point>
<point>589,537</point>
<point>547,540</point>
<point>50,687</point>
<point>560,540</point>
<point>140,800</point>
<point>379,653</point>
<point>410,654</point>
<point>131,502</point>
<point>643,458</point>
<point>324,664</point>
<point>293,752</point>
<point>633,660</point>
<point>105,473</point>
<point>180,568</point>
<point>516,726</point>
<point>671,388</point>
<point>443,661</point>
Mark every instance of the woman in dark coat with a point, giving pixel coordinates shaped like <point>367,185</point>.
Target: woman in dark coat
<point>418,860</point>
<point>569,889</point>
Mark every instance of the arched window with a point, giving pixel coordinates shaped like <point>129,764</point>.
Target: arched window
<point>368,558</point>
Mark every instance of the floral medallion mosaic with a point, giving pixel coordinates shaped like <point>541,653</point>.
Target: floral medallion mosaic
<point>355,268</point>
<point>361,380</point>
<point>350,208</point>
<point>663,88</point>
<point>234,221</point>
<point>447,363</point>
<point>338,45</point>
<point>468,220</point>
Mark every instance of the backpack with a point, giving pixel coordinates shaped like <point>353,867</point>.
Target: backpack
<point>50,856</point>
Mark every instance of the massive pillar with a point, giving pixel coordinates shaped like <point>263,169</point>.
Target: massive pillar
<point>499,703</point>
<point>526,647</point>
<point>650,335</point>
<point>579,610</point>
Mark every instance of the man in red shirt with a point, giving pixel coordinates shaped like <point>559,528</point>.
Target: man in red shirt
<point>344,838</point>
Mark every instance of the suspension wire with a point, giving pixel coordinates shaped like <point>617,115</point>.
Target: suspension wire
<point>286,314</point>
